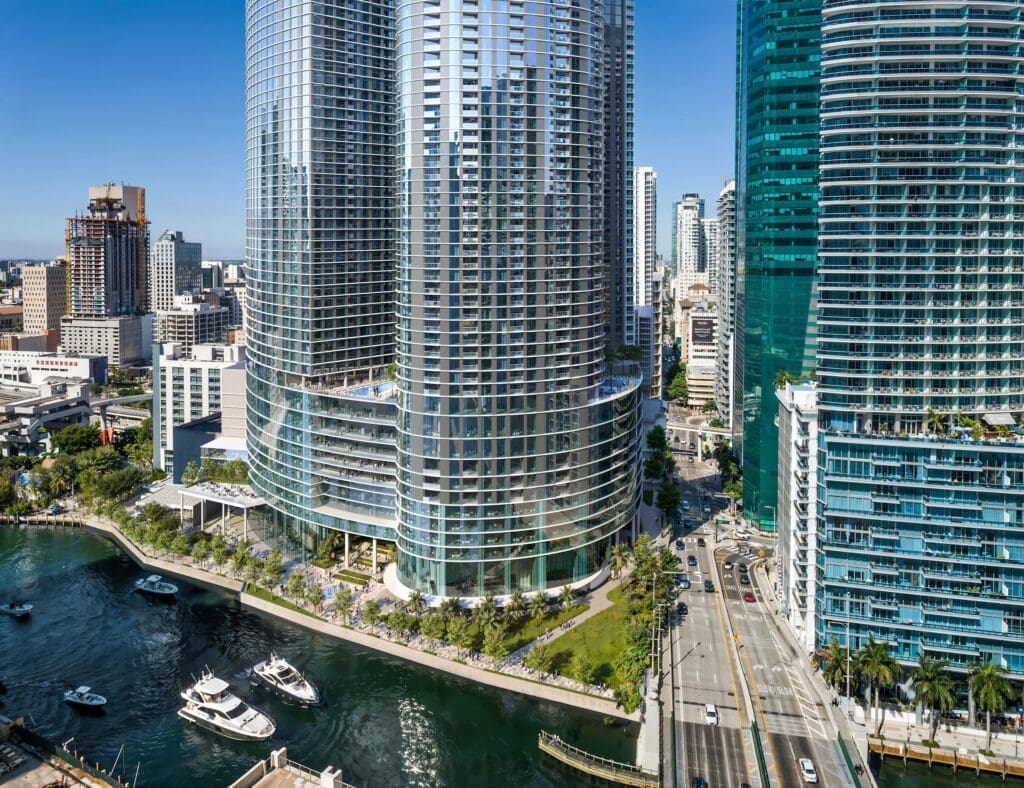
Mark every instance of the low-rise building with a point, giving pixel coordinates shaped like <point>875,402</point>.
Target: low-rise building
<point>30,416</point>
<point>18,367</point>
<point>123,339</point>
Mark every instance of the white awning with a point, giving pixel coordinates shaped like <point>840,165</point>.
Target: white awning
<point>999,419</point>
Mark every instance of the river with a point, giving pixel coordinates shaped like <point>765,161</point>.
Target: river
<point>386,722</point>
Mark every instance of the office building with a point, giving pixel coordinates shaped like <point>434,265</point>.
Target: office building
<point>692,249</point>
<point>211,274</point>
<point>187,386</point>
<point>618,174</point>
<point>779,51</point>
<point>674,248</point>
<point>728,397</point>
<point>701,351</point>
<point>517,455</point>
<point>920,376</point>
<point>645,234</point>
<point>44,297</point>
<point>175,269</point>
<point>192,321</point>
<point>33,368</point>
<point>123,340</point>
<point>797,553</point>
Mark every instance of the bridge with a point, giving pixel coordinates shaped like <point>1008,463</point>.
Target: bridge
<point>595,766</point>
<point>117,411</point>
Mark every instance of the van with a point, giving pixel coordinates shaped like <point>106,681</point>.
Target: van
<point>710,714</point>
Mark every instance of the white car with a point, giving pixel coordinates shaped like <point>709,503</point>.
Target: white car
<point>807,770</point>
<point>711,717</point>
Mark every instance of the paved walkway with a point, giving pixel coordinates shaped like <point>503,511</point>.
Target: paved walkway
<point>472,666</point>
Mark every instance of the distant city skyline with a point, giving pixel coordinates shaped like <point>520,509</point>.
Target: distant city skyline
<point>173,123</point>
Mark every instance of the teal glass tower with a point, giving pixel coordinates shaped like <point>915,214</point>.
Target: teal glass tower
<point>777,224</point>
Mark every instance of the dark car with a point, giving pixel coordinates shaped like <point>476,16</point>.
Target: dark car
<point>742,568</point>
<point>691,560</point>
<point>682,609</point>
<point>744,580</point>
<point>709,586</point>
<point>700,541</point>
<point>679,544</point>
<point>700,782</point>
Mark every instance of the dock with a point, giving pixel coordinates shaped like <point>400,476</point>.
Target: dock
<point>279,772</point>
<point>977,763</point>
<point>594,765</point>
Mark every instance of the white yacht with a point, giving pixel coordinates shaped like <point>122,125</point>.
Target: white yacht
<point>210,704</point>
<point>155,585</point>
<point>84,696</point>
<point>16,609</point>
<point>282,678</point>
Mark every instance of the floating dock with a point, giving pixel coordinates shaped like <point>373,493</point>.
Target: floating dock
<point>978,764</point>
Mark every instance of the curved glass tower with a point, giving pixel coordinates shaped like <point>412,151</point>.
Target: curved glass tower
<point>320,268</point>
<point>517,457</point>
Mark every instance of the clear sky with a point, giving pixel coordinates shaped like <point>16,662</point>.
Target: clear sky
<point>151,93</point>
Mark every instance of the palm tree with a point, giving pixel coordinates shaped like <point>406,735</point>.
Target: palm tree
<point>620,558</point>
<point>834,672</point>
<point>991,690</point>
<point>486,611</point>
<point>416,603</point>
<point>875,663</point>
<point>566,597</point>
<point>539,606</point>
<point>451,606</point>
<point>516,604</point>
<point>934,688</point>
<point>935,421</point>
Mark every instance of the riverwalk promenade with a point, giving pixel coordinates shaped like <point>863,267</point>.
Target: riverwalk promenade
<point>462,664</point>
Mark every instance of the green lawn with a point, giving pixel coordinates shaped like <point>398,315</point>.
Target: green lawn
<point>350,576</point>
<point>524,630</point>
<point>266,596</point>
<point>599,638</point>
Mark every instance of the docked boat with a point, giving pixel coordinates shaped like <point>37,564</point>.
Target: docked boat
<point>155,585</point>
<point>284,679</point>
<point>18,610</point>
<point>84,697</point>
<point>210,704</point>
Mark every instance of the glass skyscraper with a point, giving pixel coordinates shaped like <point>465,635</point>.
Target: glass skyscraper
<point>428,184</point>
<point>921,330</point>
<point>776,213</point>
<point>517,456</point>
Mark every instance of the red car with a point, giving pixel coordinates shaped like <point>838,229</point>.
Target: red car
<point>748,597</point>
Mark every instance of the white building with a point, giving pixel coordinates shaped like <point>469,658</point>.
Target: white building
<point>701,351</point>
<point>27,368</point>
<point>188,387</point>
<point>691,254</point>
<point>29,418</point>
<point>797,504</point>
<point>175,268</point>
<point>123,339</point>
<point>726,382</point>
<point>44,294</point>
<point>191,321</point>
<point>645,252</point>
<point>709,229</point>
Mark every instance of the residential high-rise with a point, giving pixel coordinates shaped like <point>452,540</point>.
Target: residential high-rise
<point>44,295</point>
<point>726,376</point>
<point>645,234</point>
<point>709,239</point>
<point>674,249</point>
<point>778,51</point>
<point>320,266</point>
<point>192,321</point>
<point>517,455</point>
<point>691,252</point>
<point>920,372</point>
<point>175,269</point>
<point>618,173</point>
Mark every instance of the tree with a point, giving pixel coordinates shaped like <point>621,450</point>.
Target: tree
<point>540,657</point>
<point>654,466</point>
<point>708,406</point>
<point>516,606</point>
<point>451,606</point>
<point>495,644</point>
<point>538,606</point>
<point>582,669</point>
<point>486,611</point>
<point>219,550</point>
<point>460,633</point>
<point>191,475</point>
<point>620,558</point>
<point>934,688</point>
<point>8,492</point>
<point>656,440</point>
<point>180,544</point>
<point>342,603</point>
<point>400,622</point>
<point>677,389</point>
<point>371,612</point>
<point>876,664</point>
<point>273,569</point>
<point>295,584</point>
<point>834,672</point>
<point>782,377</point>
<point>668,498</point>
<point>416,604</point>
<point>567,597</point>
<point>433,626</point>
<point>991,691</point>
<point>199,552</point>
<point>76,438</point>
<point>936,422</point>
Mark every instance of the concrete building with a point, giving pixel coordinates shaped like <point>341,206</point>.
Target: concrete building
<point>175,269</point>
<point>798,503</point>
<point>191,322</point>
<point>187,387</point>
<point>658,303</point>
<point>44,297</point>
<point>645,234</point>
<point>20,367</point>
<point>123,340</point>
<point>728,393</point>
<point>701,351</point>
<point>211,274</point>
<point>692,265</point>
<point>11,318</point>
<point>29,416</point>
<point>709,233</point>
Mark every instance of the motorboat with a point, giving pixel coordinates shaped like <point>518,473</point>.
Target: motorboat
<point>16,609</point>
<point>284,679</point>
<point>155,585</point>
<point>85,697</point>
<point>210,704</point>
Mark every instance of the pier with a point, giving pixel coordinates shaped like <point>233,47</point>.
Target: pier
<point>595,766</point>
<point>278,772</point>
<point>945,757</point>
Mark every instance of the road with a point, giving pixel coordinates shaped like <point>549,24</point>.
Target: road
<point>792,719</point>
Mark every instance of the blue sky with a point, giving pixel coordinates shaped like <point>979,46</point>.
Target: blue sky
<point>150,92</point>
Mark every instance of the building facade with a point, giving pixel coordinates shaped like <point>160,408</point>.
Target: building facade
<point>709,237</point>
<point>779,53</point>
<point>645,234</point>
<point>175,269</point>
<point>122,340</point>
<point>921,331</point>
<point>517,455</point>
<point>192,322</point>
<point>692,250</point>
<point>727,399</point>
<point>701,352</point>
<point>44,296</point>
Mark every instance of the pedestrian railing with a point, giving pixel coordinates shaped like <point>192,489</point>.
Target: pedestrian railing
<point>595,765</point>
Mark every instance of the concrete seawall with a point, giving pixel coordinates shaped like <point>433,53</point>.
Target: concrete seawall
<point>236,588</point>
